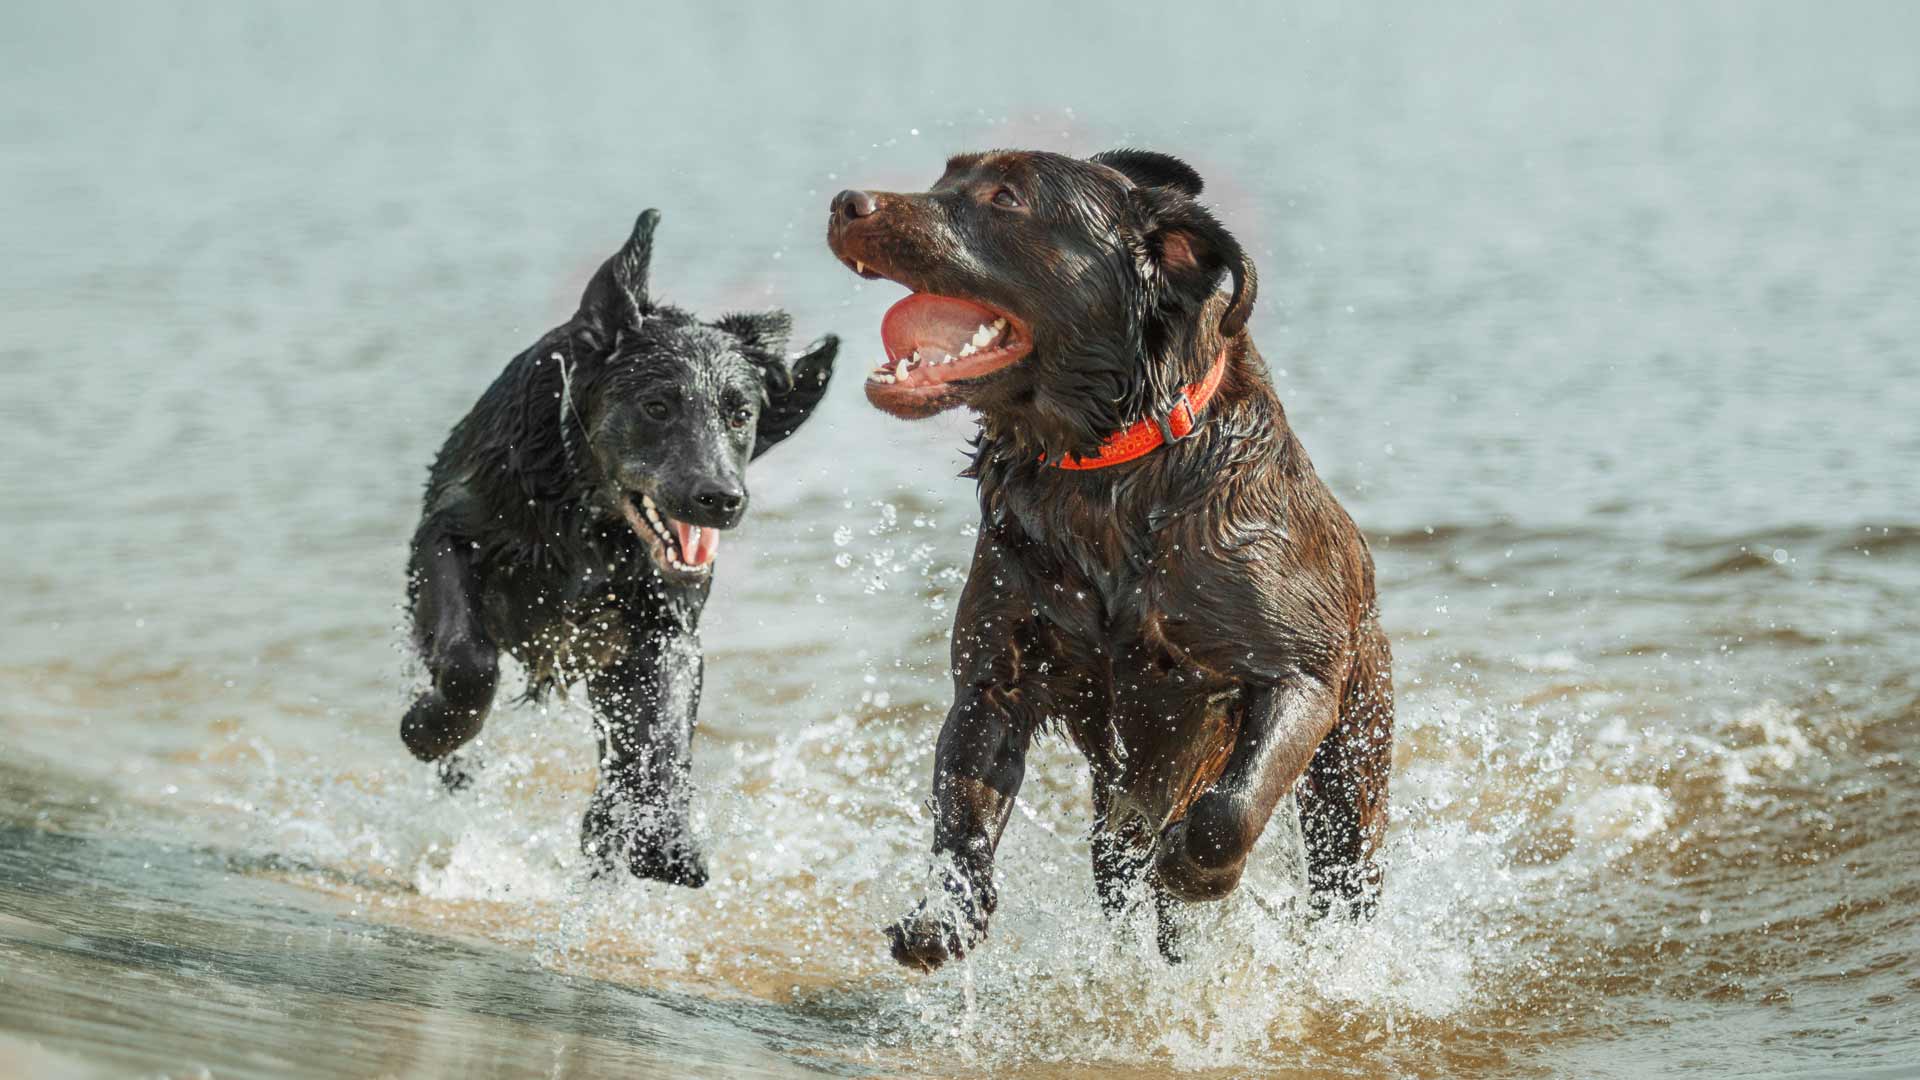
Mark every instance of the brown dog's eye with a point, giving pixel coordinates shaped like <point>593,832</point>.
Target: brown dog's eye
<point>655,410</point>
<point>1007,199</point>
<point>740,417</point>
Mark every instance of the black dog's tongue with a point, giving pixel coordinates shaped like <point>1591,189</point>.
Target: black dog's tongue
<point>698,544</point>
<point>937,325</point>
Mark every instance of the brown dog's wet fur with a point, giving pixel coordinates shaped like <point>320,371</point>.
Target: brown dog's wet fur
<point>1201,621</point>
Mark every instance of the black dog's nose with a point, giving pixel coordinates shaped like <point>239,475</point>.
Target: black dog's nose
<point>721,498</point>
<point>851,204</point>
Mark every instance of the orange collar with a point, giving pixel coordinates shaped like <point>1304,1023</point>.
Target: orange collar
<point>1146,436</point>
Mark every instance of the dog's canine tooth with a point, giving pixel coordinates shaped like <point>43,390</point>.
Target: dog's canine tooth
<point>900,369</point>
<point>859,267</point>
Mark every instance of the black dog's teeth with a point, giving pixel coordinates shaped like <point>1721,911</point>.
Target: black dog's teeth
<point>669,544</point>
<point>659,527</point>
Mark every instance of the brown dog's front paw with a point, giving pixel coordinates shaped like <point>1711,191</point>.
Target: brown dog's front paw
<point>923,942</point>
<point>945,926</point>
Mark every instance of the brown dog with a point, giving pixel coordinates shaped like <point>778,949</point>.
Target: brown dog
<point>1159,572</point>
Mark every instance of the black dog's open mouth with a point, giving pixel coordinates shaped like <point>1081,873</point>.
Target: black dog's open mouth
<point>935,341</point>
<point>675,545</point>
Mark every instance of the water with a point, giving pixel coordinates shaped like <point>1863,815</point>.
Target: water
<point>1600,321</point>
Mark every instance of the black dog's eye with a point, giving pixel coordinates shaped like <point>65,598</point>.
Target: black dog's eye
<point>1006,199</point>
<point>656,410</point>
<point>740,417</point>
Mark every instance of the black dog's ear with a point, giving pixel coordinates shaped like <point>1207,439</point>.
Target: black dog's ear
<point>800,391</point>
<point>1190,249</point>
<point>616,297</point>
<point>1150,169</point>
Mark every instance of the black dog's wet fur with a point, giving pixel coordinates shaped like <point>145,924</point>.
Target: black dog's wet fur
<point>523,546</point>
<point>1201,621</point>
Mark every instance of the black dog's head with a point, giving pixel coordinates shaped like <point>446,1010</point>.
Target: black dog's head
<point>1068,298</point>
<point>671,409</point>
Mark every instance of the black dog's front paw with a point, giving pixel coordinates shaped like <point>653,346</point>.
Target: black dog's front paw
<point>647,843</point>
<point>676,862</point>
<point>435,727</point>
<point>456,772</point>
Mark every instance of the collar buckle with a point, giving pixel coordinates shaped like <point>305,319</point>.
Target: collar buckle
<point>1175,432</point>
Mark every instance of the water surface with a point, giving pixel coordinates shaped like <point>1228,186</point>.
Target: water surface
<point>1601,323</point>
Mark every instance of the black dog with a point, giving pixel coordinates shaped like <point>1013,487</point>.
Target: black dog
<point>571,519</point>
<point>1159,572</point>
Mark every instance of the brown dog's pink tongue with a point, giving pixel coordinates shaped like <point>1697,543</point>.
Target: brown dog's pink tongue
<point>698,544</point>
<point>943,324</point>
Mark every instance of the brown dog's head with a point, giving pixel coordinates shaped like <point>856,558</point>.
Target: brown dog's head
<point>1062,298</point>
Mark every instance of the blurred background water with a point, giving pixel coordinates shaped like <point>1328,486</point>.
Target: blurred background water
<point>1600,319</point>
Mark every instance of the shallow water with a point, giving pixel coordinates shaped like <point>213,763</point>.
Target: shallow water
<point>1602,325</point>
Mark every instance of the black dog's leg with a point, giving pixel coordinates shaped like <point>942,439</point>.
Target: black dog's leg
<point>1201,856</point>
<point>639,815</point>
<point>460,658</point>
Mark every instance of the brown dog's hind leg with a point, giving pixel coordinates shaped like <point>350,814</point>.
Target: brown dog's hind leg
<point>1343,803</point>
<point>460,658</point>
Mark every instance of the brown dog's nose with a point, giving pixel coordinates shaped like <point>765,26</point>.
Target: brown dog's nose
<point>851,204</point>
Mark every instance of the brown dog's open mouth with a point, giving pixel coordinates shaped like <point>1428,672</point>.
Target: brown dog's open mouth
<point>675,545</point>
<point>934,341</point>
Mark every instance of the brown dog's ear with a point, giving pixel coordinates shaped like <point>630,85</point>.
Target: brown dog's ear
<point>1150,169</point>
<point>616,296</point>
<point>1191,249</point>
